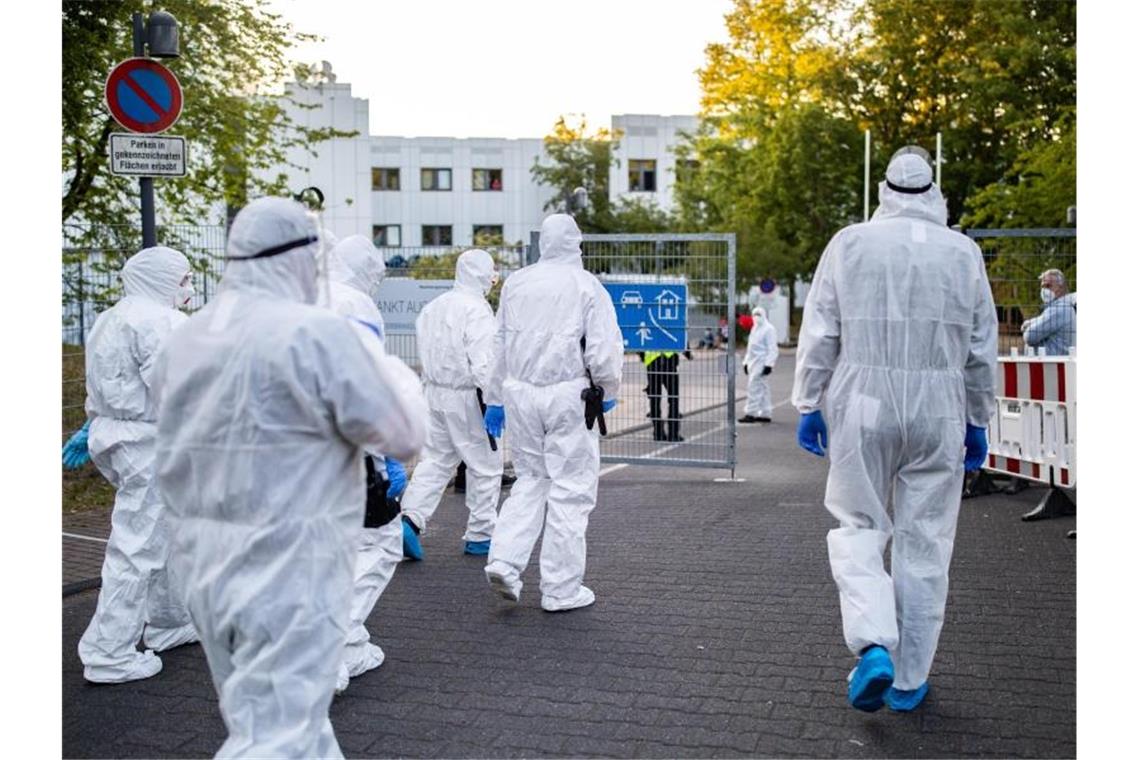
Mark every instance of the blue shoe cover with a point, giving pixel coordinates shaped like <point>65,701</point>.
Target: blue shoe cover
<point>870,680</point>
<point>905,701</point>
<point>478,548</point>
<point>412,548</point>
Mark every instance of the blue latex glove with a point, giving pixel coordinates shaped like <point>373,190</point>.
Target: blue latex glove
<point>812,433</point>
<point>976,447</point>
<point>608,404</point>
<point>397,477</point>
<point>494,420</point>
<point>75,453</point>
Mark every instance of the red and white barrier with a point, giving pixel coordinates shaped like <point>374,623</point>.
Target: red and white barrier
<point>1032,432</point>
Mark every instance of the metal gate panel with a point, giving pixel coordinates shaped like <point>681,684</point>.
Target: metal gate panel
<point>690,419</point>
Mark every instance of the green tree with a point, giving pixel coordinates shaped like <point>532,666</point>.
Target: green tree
<point>1037,191</point>
<point>779,155</point>
<point>575,158</point>
<point>233,62</point>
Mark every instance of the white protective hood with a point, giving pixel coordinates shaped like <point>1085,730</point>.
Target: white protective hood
<point>560,241</point>
<point>263,224</point>
<point>475,272</point>
<point>910,171</point>
<point>155,274</point>
<point>356,262</point>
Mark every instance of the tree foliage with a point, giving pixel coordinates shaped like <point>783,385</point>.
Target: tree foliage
<point>233,60</point>
<point>576,157</point>
<point>779,155</point>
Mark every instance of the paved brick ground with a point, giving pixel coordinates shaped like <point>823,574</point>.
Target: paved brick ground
<point>716,634</point>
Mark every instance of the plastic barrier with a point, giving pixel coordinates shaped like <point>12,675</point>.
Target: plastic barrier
<point>1032,433</point>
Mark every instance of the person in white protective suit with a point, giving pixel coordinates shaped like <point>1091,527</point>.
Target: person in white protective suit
<point>455,334</point>
<point>759,361</point>
<point>898,351</point>
<point>356,269</point>
<point>137,589</point>
<point>267,403</point>
<point>557,332</point>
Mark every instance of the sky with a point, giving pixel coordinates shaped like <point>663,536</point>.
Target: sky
<point>509,68</point>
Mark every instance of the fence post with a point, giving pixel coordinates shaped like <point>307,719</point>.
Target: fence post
<point>532,248</point>
<point>730,359</point>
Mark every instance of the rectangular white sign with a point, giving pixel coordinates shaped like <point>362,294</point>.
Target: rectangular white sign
<point>401,299</point>
<point>137,155</point>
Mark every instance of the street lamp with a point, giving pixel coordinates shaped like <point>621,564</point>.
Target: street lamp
<point>576,200</point>
<point>162,35</point>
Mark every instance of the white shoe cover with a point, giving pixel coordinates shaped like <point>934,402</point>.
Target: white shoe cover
<point>363,658</point>
<point>144,665</point>
<point>584,598</point>
<point>341,679</point>
<point>503,586</point>
<point>162,639</point>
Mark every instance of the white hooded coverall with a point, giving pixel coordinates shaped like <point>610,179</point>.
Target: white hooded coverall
<point>539,374</point>
<point>356,269</point>
<point>267,403</point>
<point>763,351</point>
<point>137,589</point>
<point>898,347</point>
<point>455,334</point>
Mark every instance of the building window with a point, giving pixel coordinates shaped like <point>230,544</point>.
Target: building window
<point>386,235</point>
<point>435,179</point>
<point>487,179</point>
<point>385,178</point>
<point>437,234</point>
<point>487,234</point>
<point>642,175</point>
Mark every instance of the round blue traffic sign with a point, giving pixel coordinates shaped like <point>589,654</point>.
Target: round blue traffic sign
<point>143,95</point>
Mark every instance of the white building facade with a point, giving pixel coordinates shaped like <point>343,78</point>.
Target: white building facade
<point>409,192</point>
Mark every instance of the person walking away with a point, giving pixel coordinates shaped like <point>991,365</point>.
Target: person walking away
<point>556,348</point>
<point>759,360</point>
<point>267,403</point>
<point>455,334</point>
<point>356,270</point>
<point>898,353</point>
<point>138,597</point>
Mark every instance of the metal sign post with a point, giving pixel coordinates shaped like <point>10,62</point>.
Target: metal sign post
<point>145,97</point>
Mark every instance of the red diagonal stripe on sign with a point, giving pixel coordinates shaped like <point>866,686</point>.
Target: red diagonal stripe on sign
<point>144,96</point>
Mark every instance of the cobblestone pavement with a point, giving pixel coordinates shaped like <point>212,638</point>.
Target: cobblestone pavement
<point>716,634</point>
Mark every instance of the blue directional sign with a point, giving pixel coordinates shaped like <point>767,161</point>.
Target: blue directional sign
<point>652,317</point>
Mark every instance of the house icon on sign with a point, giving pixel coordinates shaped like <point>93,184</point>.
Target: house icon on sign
<point>668,306</point>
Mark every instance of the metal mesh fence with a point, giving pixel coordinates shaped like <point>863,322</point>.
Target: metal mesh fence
<point>415,274</point>
<point>1015,261</point>
<point>677,407</point>
<point>92,258</point>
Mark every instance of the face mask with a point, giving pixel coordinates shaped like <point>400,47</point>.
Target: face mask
<point>1047,295</point>
<point>183,295</point>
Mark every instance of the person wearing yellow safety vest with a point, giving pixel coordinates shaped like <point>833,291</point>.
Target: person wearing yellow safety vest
<point>661,372</point>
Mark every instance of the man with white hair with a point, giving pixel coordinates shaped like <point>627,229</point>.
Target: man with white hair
<point>899,349</point>
<point>759,361</point>
<point>1055,328</point>
<point>267,403</point>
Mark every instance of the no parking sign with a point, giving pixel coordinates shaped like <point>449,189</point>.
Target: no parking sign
<point>143,95</point>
